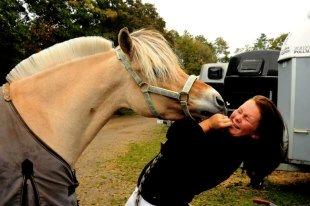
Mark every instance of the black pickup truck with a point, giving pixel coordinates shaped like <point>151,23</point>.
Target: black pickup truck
<point>246,75</point>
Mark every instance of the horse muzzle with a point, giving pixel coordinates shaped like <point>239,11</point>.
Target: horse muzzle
<point>208,104</point>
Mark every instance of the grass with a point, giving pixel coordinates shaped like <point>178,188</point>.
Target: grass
<point>281,188</point>
<point>141,153</point>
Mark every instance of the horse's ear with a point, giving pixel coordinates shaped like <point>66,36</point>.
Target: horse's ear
<point>125,41</point>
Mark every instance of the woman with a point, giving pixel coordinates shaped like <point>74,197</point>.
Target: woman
<point>197,157</point>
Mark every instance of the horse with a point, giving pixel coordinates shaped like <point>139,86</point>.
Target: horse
<point>57,100</point>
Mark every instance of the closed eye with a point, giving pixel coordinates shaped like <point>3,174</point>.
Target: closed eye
<point>239,111</point>
<point>156,73</point>
<point>249,119</point>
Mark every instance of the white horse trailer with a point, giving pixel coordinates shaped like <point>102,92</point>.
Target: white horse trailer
<point>294,94</point>
<point>213,72</point>
<point>214,75</point>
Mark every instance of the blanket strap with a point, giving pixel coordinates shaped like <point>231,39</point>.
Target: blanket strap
<point>72,187</point>
<point>6,92</point>
<point>27,171</point>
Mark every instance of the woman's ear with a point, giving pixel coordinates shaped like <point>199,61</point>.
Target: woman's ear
<point>125,41</point>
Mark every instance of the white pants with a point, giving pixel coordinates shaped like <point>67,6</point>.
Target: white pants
<point>132,200</point>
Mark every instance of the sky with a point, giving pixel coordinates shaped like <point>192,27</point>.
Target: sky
<point>239,22</point>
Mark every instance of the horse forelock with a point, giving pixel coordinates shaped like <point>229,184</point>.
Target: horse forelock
<point>157,60</point>
<point>57,54</point>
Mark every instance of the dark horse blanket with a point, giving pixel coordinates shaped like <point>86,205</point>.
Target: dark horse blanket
<point>30,172</point>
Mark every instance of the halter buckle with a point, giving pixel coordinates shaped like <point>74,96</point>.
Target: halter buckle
<point>183,97</point>
<point>144,87</point>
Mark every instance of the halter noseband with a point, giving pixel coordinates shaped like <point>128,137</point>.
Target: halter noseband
<point>146,89</point>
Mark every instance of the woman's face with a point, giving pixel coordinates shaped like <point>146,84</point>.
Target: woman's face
<point>245,119</point>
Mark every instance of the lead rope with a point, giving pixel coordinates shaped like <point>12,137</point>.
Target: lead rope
<point>147,171</point>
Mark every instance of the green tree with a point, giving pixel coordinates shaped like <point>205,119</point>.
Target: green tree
<point>221,49</point>
<point>28,26</point>
<point>264,43</point>
<point>112,15</point>
<point>261,43</point>
<point>194,52</point>
<point>276,43</point>
<point>13,32</point>
<point>144,15</point>
<point>51,22</point>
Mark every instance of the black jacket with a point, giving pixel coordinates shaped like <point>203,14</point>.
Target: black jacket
<point>191,163</point>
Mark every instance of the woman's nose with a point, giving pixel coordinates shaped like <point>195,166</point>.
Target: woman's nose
<point>238,118</point>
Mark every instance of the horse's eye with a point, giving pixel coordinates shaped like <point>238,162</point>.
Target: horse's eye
<point>156,72</point>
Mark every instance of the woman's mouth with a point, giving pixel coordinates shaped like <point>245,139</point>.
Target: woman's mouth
<point>235,125</point>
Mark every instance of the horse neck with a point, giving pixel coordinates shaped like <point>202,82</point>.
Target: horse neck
<point>67,106</point>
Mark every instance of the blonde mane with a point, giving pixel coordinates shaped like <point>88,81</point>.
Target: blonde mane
<point>150,50</point>
<point>57,54</point>
<point>156,58</point>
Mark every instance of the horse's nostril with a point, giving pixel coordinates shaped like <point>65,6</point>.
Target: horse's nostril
<point>220,102</point>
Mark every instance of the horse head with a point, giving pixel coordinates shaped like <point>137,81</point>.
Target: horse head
<point>167,92</point>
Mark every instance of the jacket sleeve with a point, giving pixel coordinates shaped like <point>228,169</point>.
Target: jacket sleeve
<point>184,130</point>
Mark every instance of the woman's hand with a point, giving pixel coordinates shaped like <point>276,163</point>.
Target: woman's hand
<point>217,121</point>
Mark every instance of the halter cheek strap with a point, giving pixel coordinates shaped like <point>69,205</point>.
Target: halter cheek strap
<point>146,89</point>
<point>183,98</point>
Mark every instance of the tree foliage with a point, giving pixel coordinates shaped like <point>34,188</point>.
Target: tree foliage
<point>58,20</point>
<point>13,31</point>
<point>261,42</point>
<point>264,43</point>
<point>193,51</point>
<point>276,43</point>
<point>221,48</point>
<point>28,26</point>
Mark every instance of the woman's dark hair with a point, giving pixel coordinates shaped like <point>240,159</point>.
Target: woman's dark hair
<point>266,152</point>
